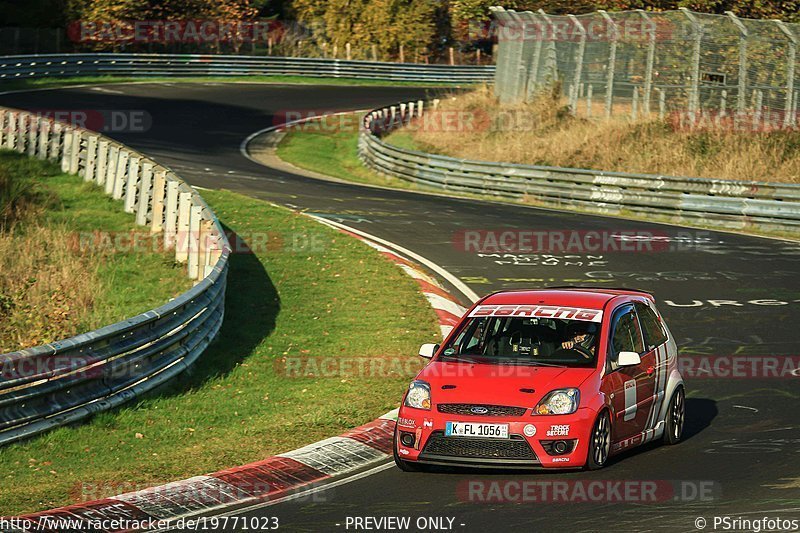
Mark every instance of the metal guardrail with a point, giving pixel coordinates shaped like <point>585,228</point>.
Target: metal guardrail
<point>62,382</point>
<point>65,381</point>
<point>722,203</point>
<point>176,65</point>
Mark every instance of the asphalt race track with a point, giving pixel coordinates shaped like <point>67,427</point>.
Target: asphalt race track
<point>722,295</point>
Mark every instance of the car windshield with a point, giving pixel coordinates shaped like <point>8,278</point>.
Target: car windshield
<point>525,341</point>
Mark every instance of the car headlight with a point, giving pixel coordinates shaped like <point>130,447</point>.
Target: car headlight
<point>419,395</point>
<point>559,402</point>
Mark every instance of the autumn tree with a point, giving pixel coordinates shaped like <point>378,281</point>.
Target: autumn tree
<point>387,24</point>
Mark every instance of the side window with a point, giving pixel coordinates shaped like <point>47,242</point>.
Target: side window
<point>654,332</point>
<point>626,336</point>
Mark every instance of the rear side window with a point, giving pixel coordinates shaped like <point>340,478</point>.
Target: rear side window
<point>652,328</point>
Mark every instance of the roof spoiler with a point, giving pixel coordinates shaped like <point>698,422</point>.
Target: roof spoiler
<point>628,289</point>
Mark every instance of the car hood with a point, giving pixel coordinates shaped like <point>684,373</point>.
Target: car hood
<point>521,386</point>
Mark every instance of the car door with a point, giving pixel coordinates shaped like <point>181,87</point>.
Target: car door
<point>631,387</point>
<point>655,340</point>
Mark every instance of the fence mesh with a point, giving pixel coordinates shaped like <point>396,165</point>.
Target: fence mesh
<point>691,66</point>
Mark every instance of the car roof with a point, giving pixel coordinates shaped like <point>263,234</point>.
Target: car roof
<point>587,297</point>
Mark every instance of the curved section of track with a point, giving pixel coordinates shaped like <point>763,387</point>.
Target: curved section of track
<point>722,294</point>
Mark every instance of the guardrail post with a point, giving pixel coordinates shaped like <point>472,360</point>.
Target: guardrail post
<point>132,184</point>
<point>91,155</point>
<point>651,54</point>
<point>22,131</point>
<point>11,137</point>
<point>75,154</point>
<point>576,80</point>
<point>589,91</point>
<point>111,169</point>
<point>694,92</point>
<point>195,215</point>
<point>207,244</point>
<point>143,207</point>
<point>56,141</point>
<point>612,61</point>
<point>44,139</point>
<point>3,127</point>
<point>159,198</point>
<point>102,162</point>
<point>420,103</point>
<point>789,118</point>
<point>171,214</point>
<point>182,233</point>
<point>120,174</point>
<point>214,254</point>
<point>33,133</point>
<point>66,152</point>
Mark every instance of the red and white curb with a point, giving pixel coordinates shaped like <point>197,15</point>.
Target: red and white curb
<point>261,481</point>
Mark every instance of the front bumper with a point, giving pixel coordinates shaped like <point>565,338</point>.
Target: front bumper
<point>431,446</point>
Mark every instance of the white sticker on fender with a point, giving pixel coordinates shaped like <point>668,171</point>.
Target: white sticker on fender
<point>539,311</point>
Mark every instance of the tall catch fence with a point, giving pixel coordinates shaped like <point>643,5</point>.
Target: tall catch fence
<point>695,68</point>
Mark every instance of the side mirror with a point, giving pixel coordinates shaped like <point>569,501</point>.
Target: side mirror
<point>628,359</point>
<point>427,350</point>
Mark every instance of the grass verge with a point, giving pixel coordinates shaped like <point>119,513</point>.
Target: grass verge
<point>307,295</point>
<point>333,152</point>
<point>53,282</point>
<point>543,132</point>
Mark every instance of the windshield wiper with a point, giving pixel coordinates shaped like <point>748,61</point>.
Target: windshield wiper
<point>530,363</point>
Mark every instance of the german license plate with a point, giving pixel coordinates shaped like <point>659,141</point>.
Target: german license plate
<point>472,429</point>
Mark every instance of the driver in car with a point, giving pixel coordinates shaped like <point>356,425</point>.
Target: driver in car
<point>581,334</point>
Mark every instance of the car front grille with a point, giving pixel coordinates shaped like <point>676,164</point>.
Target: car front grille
<point>514,448</point>
<point>491,410</point>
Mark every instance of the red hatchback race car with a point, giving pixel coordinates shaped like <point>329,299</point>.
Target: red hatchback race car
<point>553,378</point>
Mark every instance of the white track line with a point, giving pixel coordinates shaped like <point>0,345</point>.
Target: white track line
<point>453,280</point>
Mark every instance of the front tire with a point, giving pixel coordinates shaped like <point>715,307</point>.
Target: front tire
<point>676,417</point>
<point>405,466</point>
<point>599,442</point>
